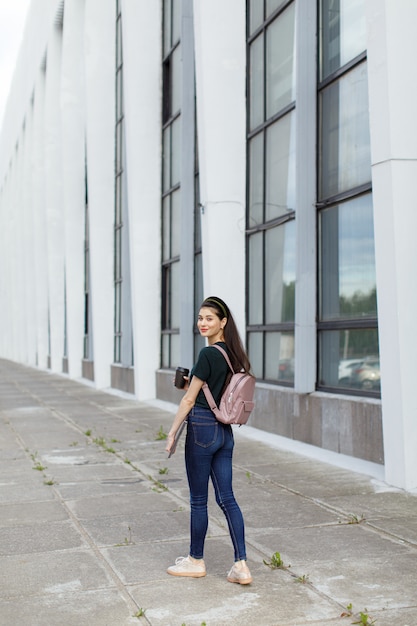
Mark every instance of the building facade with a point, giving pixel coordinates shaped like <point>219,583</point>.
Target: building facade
<point>154,153</point>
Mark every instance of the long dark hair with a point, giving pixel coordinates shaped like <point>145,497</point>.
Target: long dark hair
<point>238,356</point>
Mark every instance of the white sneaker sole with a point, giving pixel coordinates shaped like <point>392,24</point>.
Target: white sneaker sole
<point>186,574</point>
<point>240,581</point>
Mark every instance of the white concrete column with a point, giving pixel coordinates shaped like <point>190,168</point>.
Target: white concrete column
<point>19,251</point>
<point>220,58</point>
<point>39,221</point>
<point>26,236</point>
<point>305,115</point>
<point>73,168</point>
<point>141,22</point>
<point>392,49</point>
<point>100,28</point>
<point>54,199</point>
<point>12,247</point>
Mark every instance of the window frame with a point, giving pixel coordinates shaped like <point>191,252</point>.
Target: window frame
<point>280,220</point>
<point>368,322</point>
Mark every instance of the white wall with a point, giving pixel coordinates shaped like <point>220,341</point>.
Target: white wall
<point>54,198</point>
<point>38,25</point>
<point>39,221</point>
<point>220,48</point>
<point>141,22</point>
<point>392,50</point>
<point>100,28</point>
<point>73,168</point>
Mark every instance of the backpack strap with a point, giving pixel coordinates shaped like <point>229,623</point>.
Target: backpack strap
<point>206,389</point>
<point>226,356</point>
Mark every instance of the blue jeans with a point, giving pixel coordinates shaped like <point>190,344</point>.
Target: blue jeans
<point>208,454</point>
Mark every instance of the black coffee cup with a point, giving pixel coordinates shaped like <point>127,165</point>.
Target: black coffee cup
<point>179,381</point>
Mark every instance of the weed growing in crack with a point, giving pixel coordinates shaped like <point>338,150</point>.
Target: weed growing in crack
<point>355,519</point>
<point>38,465</point>
<point>127,540</point>
<point>161,434</point>
<point>158,486</point>
<point>302,579</point>
<point>101,442</point>
<point>348,612</point>
<point>364,619</point>
<point>275,562</point>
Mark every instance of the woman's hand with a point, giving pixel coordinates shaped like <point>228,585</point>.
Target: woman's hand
<point>170,442</point>
<point>186,383</point>
<point>185,406</point>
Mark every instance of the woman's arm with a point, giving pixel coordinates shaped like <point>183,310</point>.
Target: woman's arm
<point>185,406</point>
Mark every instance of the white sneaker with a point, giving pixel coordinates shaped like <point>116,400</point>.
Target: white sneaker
<point>240,576</point>
<point>184,566</point>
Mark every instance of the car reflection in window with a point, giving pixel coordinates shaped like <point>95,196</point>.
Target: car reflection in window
<point>364,374</point>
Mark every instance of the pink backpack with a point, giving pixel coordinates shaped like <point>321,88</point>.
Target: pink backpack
<point>236,403</point>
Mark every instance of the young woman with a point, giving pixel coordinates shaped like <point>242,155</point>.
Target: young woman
<point>209,443</point>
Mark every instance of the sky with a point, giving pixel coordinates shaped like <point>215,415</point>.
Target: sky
<point>12,21</point>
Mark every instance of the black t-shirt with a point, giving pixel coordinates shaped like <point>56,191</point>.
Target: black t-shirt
<point>211,367</point>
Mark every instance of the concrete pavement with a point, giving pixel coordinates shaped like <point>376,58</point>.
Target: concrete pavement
<point>92,513</point>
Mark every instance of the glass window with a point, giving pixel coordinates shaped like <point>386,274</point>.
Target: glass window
<point>119,44</point>
<point>271,193</point>
<point>256,278</point>
<point>175,356</point>
<point>175,223</point>
<point>348,325</point>
<point>279,356</point>
<point>174,294</point>
<point>280,273</point>
<point>349,358</point>
<point>176,80</point>
<point>343,33</point>
<point>176,21</point>
<point>119,146</point>
<point>256,76</point>
<point>255,350</point>
<point>272,5</point>
<point>167,26</point>
<point>122,313</point>
<point>280,56</point>
<point>280,167</point>
<point>119,93</point>
<point>118,199</point>
<point>256,14</point>
<point>171,180</point>
<point>175,151</point>
<point>166,158</point>
<point>345,157</point>
<point>256,180</point>
<point>166,228</point>
<point>347,260</point>
<point>165,360</point>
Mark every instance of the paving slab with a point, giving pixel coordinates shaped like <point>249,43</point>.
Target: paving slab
<point>145,527</point>
<point>28,513</point>
<point>87,538</point>
<point>45,573</point>
<point>61,607</point>
<point>272,600</point>
<point>92,489</point>
<point>39,537</point>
